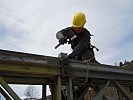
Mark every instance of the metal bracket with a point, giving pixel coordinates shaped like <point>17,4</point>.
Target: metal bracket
<point>65,68</point>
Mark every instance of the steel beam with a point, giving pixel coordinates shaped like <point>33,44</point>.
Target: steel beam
<point>5,94</point>
<point>100,71</point>
<point>16,63</point>
<point>102,90</point>
<point>69,89</point>
<point>123,92</point>
<point>27,80</point>
<point>58,88</point>
<point>83,93</point>
<point>27,70</point>
<point>119,95</point>
<point>53,92</point>
<point>8,89</point>
<point>44,92</point>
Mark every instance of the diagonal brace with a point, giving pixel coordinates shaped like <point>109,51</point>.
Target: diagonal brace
<point>119,87</point>
<point>102,90</point>
<point>4,94</point>
<point>8,89</point>
<point>83,93</point>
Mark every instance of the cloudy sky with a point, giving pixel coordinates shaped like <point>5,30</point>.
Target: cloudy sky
<point>30,26</point>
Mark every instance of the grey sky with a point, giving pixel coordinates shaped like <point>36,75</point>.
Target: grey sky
<point>30,26</point>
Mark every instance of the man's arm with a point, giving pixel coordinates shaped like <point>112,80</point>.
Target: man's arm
<point>62,37</point>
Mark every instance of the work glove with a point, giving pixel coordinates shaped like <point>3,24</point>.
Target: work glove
<point>62,41</point>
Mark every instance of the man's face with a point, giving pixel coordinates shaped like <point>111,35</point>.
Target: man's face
<point>78,29</point>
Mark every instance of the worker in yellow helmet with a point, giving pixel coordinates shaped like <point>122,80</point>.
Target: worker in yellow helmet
<point>79,38</point>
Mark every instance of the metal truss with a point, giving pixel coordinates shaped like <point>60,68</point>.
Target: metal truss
<point>24,68</point>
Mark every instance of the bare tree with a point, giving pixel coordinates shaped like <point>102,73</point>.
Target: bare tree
<point>31,92</point>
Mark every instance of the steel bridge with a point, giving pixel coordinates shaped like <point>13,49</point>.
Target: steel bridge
<point>25,68</point>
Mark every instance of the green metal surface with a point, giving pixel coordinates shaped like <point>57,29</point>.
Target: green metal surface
<point>5,94</point>
<point>59,88</point>
<point>24,68</point>
<point>8,89</point>
<point>16,68</point>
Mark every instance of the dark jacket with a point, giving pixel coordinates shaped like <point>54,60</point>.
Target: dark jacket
<point>79,41</point>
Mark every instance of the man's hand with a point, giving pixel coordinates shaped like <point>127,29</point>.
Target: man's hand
<point>63,41</point>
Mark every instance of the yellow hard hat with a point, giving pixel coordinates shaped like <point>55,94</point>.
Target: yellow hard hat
<point>79,20</point>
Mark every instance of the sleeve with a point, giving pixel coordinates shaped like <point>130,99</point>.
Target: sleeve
<point>62,33</point>
<point>59,35</point>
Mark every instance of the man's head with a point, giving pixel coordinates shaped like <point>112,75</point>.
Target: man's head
<point>78,21</point>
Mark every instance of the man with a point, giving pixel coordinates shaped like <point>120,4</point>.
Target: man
<point>79,38</point>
